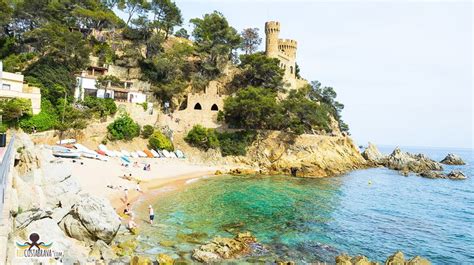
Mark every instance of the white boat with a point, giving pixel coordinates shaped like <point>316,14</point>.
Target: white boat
<point>110,153</point>
<point>89,155</point>
<point>125,153</point>
<point>66,141</point>
<point>118,153</point>
<point>134,154</point>
<point>155,154</point>
<point>179,153</point>
<point>173,155</point>
<point>67,154</point>
<point>103,148</point>
<point>62,149</point>
<point>102,158</point>
<point>141,154</point>
<point>166,153</point>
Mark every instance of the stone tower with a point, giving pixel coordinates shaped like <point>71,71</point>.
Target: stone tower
<point>272,30</point>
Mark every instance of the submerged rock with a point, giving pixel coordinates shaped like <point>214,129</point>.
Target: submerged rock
<point>456,175</point>
<point>452,159</point>
<point>398,258</point>
<point>91,219</point>
<point>373,155</point>
<point>221,248</point>
<point>164,259</point>
<point>404,161</point>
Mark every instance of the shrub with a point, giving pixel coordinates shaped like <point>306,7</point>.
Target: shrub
<point>147,131</point>
<point>45,120</point>
<point>101,107</point>
<point>3,128</point>
<point>202,138</point>
<point>123,128</point>
<point>235,143</point>
<point>159,141</point>
<point>14,109</point>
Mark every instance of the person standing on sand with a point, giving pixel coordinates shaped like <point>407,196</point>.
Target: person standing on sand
<point>125,194</point>
<point>152,214</point>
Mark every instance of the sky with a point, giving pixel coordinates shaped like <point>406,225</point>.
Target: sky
<point>403,69</point>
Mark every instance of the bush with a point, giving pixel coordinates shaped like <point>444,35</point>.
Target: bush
<point>202,138</point>
<point>159,141</point>
<point>3,128</point>
<point>235,143</point>
<point>101,107</point>
<point>45,120</point>
<point>147,131</point>
<point>123,128</point>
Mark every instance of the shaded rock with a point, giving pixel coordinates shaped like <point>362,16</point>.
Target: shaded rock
<point>452,159</point>
<point>456,175</point>
<point>225,248</point>
<point>432,174</point>
<point>91,219</point>
<point>164,259</point>
<point>396,259</point>
<point>373,155</point>
<point>23,219</point>
<point>101,251</point>
<point>404,161</point>
<point>139,260</point>
<point>417,260</point>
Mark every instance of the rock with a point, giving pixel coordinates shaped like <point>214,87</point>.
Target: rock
<point>362,260</point>
<point>164,259</point>
<point>343,259</point>
<point>432,174</point>
<point>91,219</point>
<point>23,219</point>
<point>396,259</point>
<point>100,250</point>
<point>404,161</point>
<point>373,155</point>
<point>139,260</point>
<point>417,260</point>
<point>279,262</point>
<point>452,159</point>
<point>456,175</point>
<point>30,196</point>
<point>74,252</point>
<point>225,248</point>
<point>218,172</point>
<point>126,248</point>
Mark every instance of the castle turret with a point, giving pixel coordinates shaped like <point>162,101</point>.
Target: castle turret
<point>272,30</point>
<point>288,47</point>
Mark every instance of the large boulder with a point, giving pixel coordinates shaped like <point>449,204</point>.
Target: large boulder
<point>404,161</point>
<point>91,219</point>
<point>23,219</point>
<point>452,159</point>
<point>373,155</point>
<point>396,258</point>
<point>74,252</point>
<point>456,175</point>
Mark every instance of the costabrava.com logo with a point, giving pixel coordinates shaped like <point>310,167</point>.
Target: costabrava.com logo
<point>34,248</point>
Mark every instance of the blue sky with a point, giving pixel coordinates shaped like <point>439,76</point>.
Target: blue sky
<point>402,69</point>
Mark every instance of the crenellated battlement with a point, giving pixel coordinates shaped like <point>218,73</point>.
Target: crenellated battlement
<point>272,27</point>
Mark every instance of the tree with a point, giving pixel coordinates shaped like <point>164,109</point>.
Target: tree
<point>132,8</point>
<point>250,40</point>
<point>123,128</point>
<point>253,108</point>
<point>215,40</point>
<point>260,71</point>
<point>14,109</point>
<point>166,15</point>
<point>203,138</point>
<point>159,141</point>
<point>182,33</point>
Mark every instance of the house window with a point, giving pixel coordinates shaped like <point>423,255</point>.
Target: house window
<point>291,69</point>
<point>214,107</point>
<point>6,87</point>
<point>198,106</point>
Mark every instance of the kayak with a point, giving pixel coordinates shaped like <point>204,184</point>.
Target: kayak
<point>100,152</point>
<point>67,154</point>
<point>125,159</point>
<point>148,153</point>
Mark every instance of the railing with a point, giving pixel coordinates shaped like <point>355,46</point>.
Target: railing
<point>5,170</point>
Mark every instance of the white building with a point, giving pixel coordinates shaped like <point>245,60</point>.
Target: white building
<point>87,85</point>
<point>12,85</point>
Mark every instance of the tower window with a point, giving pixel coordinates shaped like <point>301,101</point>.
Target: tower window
<point>291,69</point>
<point>214,107</point>
<point>198,106</point>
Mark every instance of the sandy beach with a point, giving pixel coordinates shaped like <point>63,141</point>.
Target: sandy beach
<point>97,177</point>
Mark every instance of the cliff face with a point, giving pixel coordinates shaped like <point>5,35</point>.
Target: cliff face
<point>304,156</point>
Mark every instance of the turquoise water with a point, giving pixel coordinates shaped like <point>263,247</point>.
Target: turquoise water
<point>308,220</point>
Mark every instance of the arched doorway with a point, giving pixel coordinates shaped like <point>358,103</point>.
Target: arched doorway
<point>214,107</point>
<point>198,106</point>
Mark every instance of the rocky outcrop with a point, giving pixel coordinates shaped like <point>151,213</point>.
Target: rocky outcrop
<point>396,259</point>
<point>302,156</point>
<point>163,259</point>
<point>407,162</point>
<point>225,248</point>
<point>454,175</point>
<point>452,159</point>
<point>101,251</point>
<point>91,219</point>
<point>373,155</point>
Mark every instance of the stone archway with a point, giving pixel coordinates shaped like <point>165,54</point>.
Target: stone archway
<point>198,106</point>
<point>214,107</point>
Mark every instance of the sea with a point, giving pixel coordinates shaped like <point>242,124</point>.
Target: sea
<point>371,212</point>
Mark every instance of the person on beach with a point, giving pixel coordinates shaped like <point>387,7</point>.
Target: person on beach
<point>152,214</point>
<point>125,191</point>
<point>131,223</point>
<point>138,187</point>
<point>127,210</point>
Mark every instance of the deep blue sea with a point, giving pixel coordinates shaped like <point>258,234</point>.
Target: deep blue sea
<point>372,212</point>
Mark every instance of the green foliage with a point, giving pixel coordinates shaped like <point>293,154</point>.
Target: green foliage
<point>104,52</point>
<point>47,119</point>
<point>253,108</point>
<point>202,138</point>
<point>250,40</point>
<point>182,33</point>
<point>17,62</point>
<point>166,15</point>
<point>100,107</point>
<point>14,109</point>
<point>3,128</point>
<point>147,131</point>
<point>235,143</point>
<point>123,128</point>
<point>215,40</point>
<point>71,117</point>
<point>144,105</point>
<point>159,141</point>
<point>258,70</point>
